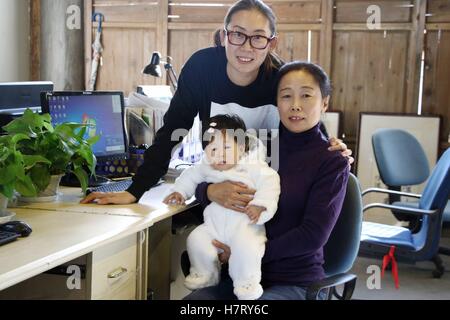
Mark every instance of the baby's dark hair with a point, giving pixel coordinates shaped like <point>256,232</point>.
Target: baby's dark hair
<point>313,69</point>
<point>223,123</point>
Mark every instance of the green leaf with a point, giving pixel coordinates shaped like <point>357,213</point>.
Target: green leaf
<point>26,187</point>
<point>93,140</point>
<point>4,154</point>
<point>7,190</point>
<point>31,161</point>
<point>16,168</point>
<point>40,176</point>
<point>29,123</point>
<point>82,177</point>
<point>80,135</point>
<point>19,137</point>
<point>86,154</point>
<point>7,176</point>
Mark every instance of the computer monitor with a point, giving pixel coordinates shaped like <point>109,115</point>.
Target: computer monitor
<point>101,109</point>
<point>16,97</point>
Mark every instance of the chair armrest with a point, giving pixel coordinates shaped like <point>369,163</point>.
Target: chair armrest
<point>348,280</point>
<point>379,190</point>
<point>414,211</point>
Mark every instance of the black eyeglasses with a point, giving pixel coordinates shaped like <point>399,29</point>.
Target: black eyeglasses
<point>239,39</point>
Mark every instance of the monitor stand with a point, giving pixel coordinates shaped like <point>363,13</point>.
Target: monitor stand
<point>70,180</point>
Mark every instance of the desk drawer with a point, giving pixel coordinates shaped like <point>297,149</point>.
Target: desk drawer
<point>114,270</point>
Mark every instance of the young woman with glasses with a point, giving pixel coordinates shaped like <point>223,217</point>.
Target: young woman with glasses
<point>237,76</point>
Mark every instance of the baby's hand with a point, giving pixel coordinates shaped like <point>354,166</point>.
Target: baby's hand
<point>254,212</point>
<point>174,199</point>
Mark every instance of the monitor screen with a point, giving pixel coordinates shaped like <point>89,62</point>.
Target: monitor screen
<point>104,111</point>
<point>16,97</point>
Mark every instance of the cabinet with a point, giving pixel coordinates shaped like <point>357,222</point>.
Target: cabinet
<point>115,271</point>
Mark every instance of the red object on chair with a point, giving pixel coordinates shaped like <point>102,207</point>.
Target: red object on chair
<point>390,258</point>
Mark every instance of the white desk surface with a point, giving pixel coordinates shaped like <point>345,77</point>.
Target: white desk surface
<point>65,230</point>
<point>150,205</point>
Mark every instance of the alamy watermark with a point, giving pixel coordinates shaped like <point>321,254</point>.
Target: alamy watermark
<point>373,282</point>
<point>74,280</point>
<point>269,138</point>
<point>374,19</point>
<point>73,17</point>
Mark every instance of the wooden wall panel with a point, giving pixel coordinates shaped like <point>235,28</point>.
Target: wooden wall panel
<point>192,13</point>
<point>436,82</point>
<point>183,43</point>
<point>438,11</point>
<point>368,74</point>
<point>127,11</point>
<point>436,88</point>
<point>294,46</point>
<point>126,53</point>
<point>356,11</point>
<point>297,11</point>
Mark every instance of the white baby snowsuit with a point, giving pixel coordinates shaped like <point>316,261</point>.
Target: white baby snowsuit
<point>246,240</point>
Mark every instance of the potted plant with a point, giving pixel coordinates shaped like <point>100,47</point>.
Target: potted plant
<point>13,168</point>
<point>63,147</point>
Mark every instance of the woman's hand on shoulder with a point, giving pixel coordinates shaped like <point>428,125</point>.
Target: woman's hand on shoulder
<point>123,197</point>
<point>231,195</point>
<point>338,145</point>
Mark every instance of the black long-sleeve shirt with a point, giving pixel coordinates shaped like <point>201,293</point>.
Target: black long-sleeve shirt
<point>204,89</point>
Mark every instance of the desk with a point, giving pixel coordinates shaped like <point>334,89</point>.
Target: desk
<point>65,230</point>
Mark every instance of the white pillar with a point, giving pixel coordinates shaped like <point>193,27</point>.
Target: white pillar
<point>14,43</point>
<point>62,45</point>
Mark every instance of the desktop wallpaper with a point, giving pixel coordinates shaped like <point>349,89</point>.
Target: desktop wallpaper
<point>103,112</point>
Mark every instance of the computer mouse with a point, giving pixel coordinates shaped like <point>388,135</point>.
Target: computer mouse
<point>19,227</point>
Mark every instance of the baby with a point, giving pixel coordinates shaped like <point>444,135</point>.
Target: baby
<point>230,155</point>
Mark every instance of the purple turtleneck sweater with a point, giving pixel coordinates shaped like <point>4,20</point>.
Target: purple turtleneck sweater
<point>313,184</point>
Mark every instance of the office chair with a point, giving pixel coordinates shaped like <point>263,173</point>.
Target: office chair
<point>377,239</point>
<point>401,161</point>
<point>340,250</point>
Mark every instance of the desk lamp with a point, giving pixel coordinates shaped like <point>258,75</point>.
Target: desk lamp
<point>154,69</point>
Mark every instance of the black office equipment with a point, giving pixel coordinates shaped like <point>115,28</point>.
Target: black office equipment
<point>7,237</point>
<point>103,111</point>
<point>16,97</point>
<point>112,186</point>
<point>116,186</point>
<point>18,227</point>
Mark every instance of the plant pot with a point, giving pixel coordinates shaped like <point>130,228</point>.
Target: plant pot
<point>3,203</point>
<point>5,216</point>
<point>49,194</point>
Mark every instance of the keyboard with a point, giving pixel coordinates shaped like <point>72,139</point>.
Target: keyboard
<point>112,186</point>
<point>116,186</point>
<point>6,237</point>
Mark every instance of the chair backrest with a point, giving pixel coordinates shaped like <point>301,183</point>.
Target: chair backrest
<point>434,196</point>
<point>342,247</point>
<point>400,158</point>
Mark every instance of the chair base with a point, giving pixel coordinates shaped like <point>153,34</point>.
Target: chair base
<point>368,250</point>
<point>444,251</point>
<point>440,269</point>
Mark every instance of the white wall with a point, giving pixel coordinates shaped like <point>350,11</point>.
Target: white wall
<point>14,40</point>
